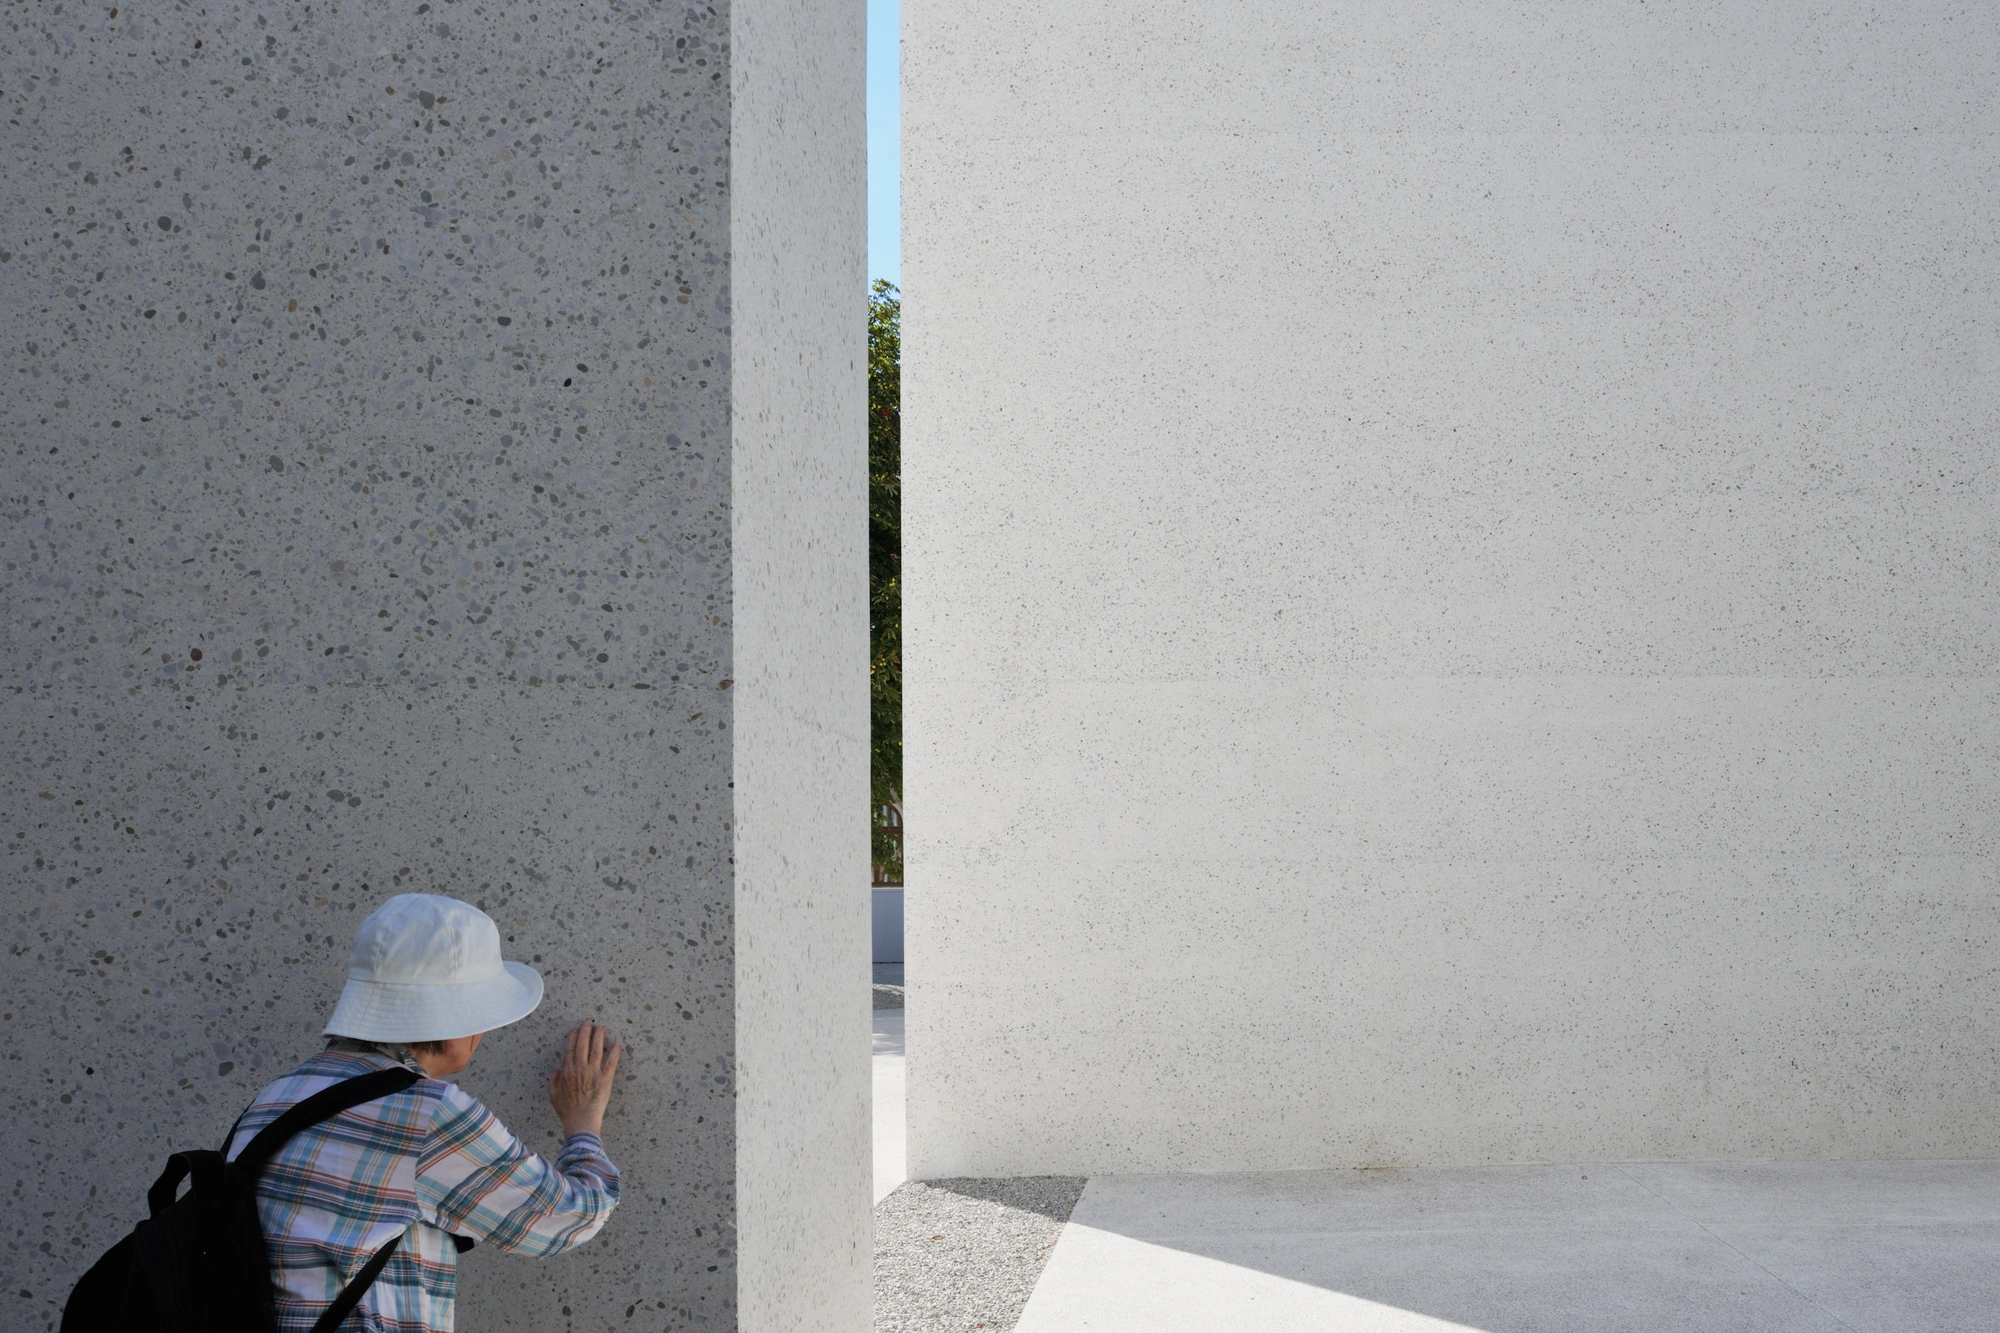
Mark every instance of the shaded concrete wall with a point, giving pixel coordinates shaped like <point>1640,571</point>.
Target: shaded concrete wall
<point>1451,609</point>
<point>369,525</point>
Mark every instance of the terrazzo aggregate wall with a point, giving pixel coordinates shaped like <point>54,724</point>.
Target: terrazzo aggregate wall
<point>367,526</point>
<point>1451,609</point>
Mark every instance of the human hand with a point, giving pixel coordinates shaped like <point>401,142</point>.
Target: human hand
<point>581,1085</point>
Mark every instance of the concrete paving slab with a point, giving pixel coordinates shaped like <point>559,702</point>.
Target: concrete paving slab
<point>1499,1281</point>
<point>1816,1248</point>
<point>891,1153</point>
<point>1848,1193</point>
<point>1443,1198</point>
<point>1099,1280</point>
<point>1939,1278</point>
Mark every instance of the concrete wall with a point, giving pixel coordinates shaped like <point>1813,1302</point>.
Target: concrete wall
<point>799,212</point>
<point>389,504</point>
<point>1451,605</point>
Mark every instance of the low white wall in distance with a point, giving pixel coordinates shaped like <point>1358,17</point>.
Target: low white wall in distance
<point>1451,603</point>
<point>886,908</point>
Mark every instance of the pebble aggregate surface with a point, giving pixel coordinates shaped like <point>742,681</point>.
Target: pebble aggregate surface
<point>958,1255</point>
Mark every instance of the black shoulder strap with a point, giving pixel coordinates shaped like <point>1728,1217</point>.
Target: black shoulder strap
<point>206,1168</point>
<point>351,1294</point>
<point>322,1105</point>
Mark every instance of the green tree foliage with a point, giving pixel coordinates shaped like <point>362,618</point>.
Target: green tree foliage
<point>885,568</point>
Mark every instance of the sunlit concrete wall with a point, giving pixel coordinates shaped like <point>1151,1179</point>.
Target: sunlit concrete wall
<point>433,457</point>
<point>797,176</point>
<point>1452,593</point>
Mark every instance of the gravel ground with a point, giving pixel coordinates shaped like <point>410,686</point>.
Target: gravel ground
<point>952,1256</point>
<point>888,997</point>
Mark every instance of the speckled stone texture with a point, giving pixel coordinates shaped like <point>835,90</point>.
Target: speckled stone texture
<point>1451,598</point>
<point>369,525</point>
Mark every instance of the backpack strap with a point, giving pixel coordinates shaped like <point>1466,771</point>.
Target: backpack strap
<point>206,1168</point>
<point>351,1294</point>
<point>209,1170</point>
<point>322,1105</point>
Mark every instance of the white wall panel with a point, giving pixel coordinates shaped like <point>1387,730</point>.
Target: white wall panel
<point>1452,607</point>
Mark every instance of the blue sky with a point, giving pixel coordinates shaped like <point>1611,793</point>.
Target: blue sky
<point>885,177</point>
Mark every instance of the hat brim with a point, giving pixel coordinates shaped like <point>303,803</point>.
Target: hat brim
<point>401,1011</point>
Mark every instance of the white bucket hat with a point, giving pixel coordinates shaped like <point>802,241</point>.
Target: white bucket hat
<point>428,968</point>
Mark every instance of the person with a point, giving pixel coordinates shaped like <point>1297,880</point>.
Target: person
<point>429,1164</point>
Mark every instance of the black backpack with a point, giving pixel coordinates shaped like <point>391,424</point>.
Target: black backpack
<point>197,1265</point>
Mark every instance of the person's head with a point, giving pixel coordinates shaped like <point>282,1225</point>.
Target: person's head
<point>442,1059</point>
<point>426,972</point>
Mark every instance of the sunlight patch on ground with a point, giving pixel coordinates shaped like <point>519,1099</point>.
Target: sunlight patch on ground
<point>1108,1283</point>
<point>891,1167</point>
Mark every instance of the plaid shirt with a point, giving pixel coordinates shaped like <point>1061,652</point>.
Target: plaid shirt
<point>420,1164</point>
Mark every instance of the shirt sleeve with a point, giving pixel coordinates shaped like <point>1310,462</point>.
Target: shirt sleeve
<point>481,1181</point>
